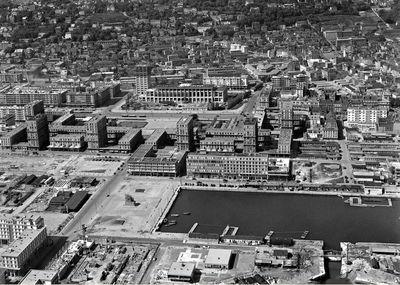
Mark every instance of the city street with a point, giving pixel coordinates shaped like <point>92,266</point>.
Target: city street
<point>92,207</point>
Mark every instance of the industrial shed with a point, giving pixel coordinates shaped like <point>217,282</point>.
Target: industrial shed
<point>77,201</point>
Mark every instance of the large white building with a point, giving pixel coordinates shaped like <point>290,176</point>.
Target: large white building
<point>17,255</point>
<point>186,93</point>
<point>12,227</point>
<point>237,166</point>
<point>230,78</point>
<point>365,118</point>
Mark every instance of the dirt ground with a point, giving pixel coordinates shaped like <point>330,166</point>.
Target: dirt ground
<point>44,164</point>
<point>118,218</point>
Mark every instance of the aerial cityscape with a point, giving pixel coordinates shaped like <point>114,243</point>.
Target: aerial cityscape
<point>199,141</point>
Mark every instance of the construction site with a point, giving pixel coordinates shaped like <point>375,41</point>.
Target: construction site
<point>371,263</point>
<point>199,262</point>
<point>133,207</point>
<point>102,262</point>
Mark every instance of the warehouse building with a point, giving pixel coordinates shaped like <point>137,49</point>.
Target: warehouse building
<point>182,271</point>
<point>77,200</point>
<point>218,258</point>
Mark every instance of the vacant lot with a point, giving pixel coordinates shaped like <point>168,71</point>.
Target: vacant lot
<point>133,207</point>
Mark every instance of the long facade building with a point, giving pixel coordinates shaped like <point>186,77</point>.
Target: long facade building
<point>230,78</point>
<point>22,95</point>
<point>237,166</point>
<point>15,136</point>
<point>21,113</point>
<point>365,118</point>
<point>72,142</point>
<point>92,97</point>
<point>171,166</point>
<point>183,94</point>
<point>66,134</point>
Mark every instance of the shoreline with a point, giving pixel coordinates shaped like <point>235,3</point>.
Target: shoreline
<point>315,193</point>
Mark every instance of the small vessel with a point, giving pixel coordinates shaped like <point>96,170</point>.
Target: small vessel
<point>304,235</point>
<point>187,213</point>
<point>165,221</point>
<point>171,223</point>
<point>174,215</point>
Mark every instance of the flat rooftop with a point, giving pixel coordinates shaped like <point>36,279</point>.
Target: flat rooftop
<point>184,269</point>
<point>20,244</point>
<point>218,256</point>
<point>35,276</point>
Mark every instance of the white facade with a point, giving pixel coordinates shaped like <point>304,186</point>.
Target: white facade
<point>365,115</point>
<point>15,257</point>
<point>12,227</point>
<point>187,94</point>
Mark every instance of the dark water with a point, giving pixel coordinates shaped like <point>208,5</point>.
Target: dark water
<point>333,271</point>
<point>327,218</point>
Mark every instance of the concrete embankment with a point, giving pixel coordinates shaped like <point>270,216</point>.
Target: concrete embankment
<point>166,209</point>
<point>254,190</point>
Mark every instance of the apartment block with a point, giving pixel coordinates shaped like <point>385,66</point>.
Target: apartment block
<point>184,134</point>
<point>172,165</point>
<point>250,135</point>
<point>21,113</point>
<point>12,226</point>
<point>96,132</point>
<point>15,258</point>
<point>130,141</point>
<point>22,95</point>
<point>142,83</point>
<point>365,118</point>
<point>38,132</point>
<point>285,141</point>
<point>67,142</point>
<point>13,137</point>
<point>231,78</point>
<point>237,166</point>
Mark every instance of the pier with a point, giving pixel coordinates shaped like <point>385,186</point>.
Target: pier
<point>369,202</point>
<point>230,230</point>
<point>193,228</point>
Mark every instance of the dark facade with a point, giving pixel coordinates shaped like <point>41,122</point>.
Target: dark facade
<point>38,132</point>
